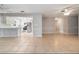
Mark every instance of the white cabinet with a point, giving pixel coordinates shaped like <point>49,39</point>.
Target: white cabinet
<point>9,32</point>
<point>1,32</point>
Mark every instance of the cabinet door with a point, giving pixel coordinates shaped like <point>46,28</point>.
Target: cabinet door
<point>1,32</point>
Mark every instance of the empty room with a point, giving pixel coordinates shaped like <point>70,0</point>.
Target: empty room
<point>39,28</point>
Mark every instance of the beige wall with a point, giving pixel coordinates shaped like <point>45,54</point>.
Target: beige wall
<point>78,24</point>
<point>70,25</point>
<point>48,25</point>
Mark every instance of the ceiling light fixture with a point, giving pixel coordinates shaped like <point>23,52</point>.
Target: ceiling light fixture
<point>66,12</point>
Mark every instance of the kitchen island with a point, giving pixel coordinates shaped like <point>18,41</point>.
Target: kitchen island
<point>10,31</point>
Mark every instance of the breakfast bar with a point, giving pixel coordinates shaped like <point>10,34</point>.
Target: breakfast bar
<point>9,31</point>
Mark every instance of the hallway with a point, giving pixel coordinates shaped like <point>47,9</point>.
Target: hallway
<point>47,44</point>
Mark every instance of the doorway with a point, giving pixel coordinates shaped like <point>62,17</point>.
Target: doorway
<point>58,25</point>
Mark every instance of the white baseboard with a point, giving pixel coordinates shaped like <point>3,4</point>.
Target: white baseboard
<point>62,33</point>
<point>50,33</point>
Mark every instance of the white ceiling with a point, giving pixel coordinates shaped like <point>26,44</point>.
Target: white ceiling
<point>45,9</point>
